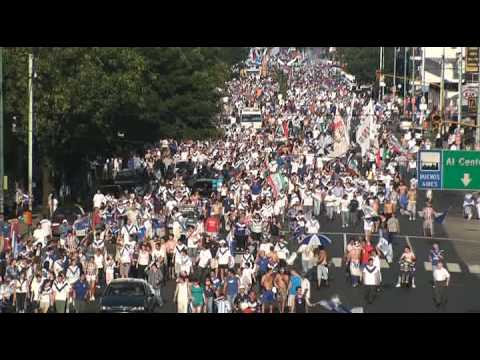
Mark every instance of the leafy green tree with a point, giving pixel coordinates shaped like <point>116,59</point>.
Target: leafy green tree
<point>84,96</point>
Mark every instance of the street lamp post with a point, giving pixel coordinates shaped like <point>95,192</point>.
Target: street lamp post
<point>460,92</point>
<point>405,76</point>
<point>394,73</point>
<point>30,130</point>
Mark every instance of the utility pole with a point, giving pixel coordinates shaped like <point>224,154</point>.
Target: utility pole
<point>30,130</point>
<point>460,91</point>
<point>413,81</point>
<point>442,89</point>
<point>405,76</point>
<point>380,77</point>
<point>383,69</point>
<point>394,73</point>
<point>423,71</point>
<point>2,142</point>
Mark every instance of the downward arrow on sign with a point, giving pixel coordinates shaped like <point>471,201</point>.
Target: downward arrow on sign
<point>466,179</point>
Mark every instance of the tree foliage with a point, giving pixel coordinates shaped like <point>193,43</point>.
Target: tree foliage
<point>362,62</point>
<point>83,97</point>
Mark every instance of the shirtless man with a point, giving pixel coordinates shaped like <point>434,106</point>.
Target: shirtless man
<point>281,283</point>
<point>412,203</point>
<point>376,210</point>
<point>268,295</point>
<point>402,192</point>
<point>353,257</point>
<point>170,251</point>
<point>388,209</point>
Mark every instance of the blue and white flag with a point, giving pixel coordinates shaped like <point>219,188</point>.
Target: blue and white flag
<point>440,218</point>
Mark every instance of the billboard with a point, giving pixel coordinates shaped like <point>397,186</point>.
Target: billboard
<point>472,60</point>
<point>469,100</point>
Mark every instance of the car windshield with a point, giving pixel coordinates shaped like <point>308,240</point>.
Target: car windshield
<point>125,289</point>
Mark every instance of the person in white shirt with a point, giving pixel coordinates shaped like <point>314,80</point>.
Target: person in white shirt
<point>441,278</point>
<point>371,280</point>
<point>46,227</point>
<point>98,200</point>
<point>203,261</point>
<point>330,201</point>
<point>266,247</point>
<point>60,294</point>
<point>127,231</point>
<point>39,236</point>
<point>178,257</point>
<point>72,274</point>
<point>186,265</point>
<point>125,259</point>
<point>312,226</point>
<point>35,285</point>
<point>223,258</point>
<point>282,252</point>
<point>345,210</point>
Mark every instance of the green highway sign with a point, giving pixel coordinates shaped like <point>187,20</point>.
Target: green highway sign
<point>461,170</point>
<point>449,170</point>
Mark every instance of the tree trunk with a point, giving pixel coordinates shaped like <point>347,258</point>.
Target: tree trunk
<point>47,183</point>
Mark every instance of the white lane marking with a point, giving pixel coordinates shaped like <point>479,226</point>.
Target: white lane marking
<point>474,269</point>
<point>344,243</point>
<point>454,267</point>
<point>337,262</point>
<point>428,265</point>
<point>384,264</point>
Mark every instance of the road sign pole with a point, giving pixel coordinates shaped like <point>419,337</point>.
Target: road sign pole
<point>460,92</point>
<point>477,132</point>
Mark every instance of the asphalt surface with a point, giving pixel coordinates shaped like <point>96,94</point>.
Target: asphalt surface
<point>462,254</point>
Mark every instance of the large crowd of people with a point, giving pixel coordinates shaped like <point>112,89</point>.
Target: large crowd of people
<point>233,247</point>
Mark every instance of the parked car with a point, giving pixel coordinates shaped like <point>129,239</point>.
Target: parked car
<point>67,212</point>
<point>128,296</point>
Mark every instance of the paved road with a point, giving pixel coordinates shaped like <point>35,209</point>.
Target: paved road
<point>462,249</point>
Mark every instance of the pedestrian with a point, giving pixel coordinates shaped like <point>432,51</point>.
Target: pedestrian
<point>222,305</point>
<point>371,280</point>
<point>80,294</point>
<point>441,281</point>
<point>295,283</point>
<point>231,286</point>
<point>155,279</point>
<point>91,275</point>
<point>197,297</point>
<point>210,294</point>
<point>393,227</point>
<point>60,294</point>
<point>45,293</point>
<point>428,215</point>
<point>300,302</point>
<point>435,256</point>
<point>20,293</point>
<point>345,211</point>
<point>182,294</point>
<point>353,258</point>
<point>322,268</point>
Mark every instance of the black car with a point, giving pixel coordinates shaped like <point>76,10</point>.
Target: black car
<point>66,212</point>
<point>128,296</point>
